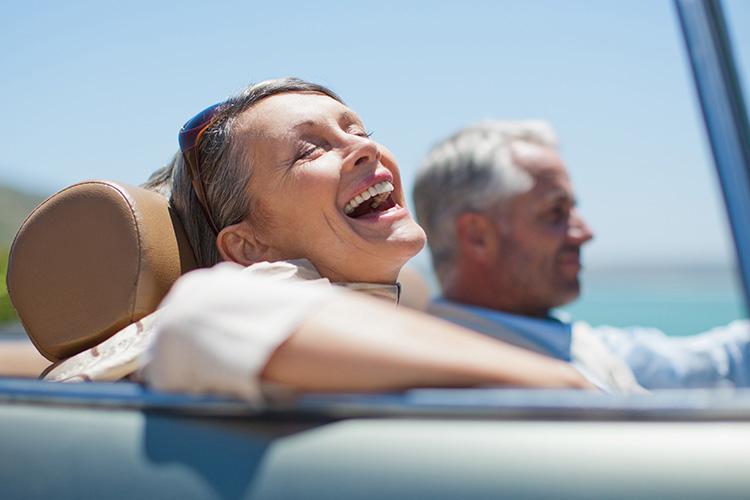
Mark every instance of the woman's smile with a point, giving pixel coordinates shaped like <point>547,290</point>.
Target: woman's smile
<point>370,195</point>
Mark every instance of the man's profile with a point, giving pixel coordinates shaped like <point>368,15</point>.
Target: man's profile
<point>505,235</point>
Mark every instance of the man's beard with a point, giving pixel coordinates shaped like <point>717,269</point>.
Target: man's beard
<point>538,283</point>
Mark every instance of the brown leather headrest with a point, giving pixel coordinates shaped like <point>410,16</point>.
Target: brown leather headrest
<point>92,259</point>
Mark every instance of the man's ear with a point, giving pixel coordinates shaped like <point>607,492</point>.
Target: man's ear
<point>476,235</point>
<point>240,243</point>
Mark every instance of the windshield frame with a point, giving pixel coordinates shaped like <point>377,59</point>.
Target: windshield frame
<point>709,50</point>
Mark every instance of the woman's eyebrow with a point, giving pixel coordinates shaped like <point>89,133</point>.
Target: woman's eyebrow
<point>349,116</point>
<point>305,124</point>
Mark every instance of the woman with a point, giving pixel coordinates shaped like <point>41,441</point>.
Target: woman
<point>285,173</point>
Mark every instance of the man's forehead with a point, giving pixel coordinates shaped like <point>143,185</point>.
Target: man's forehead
<point>550,177</point>
<point>536,159</point>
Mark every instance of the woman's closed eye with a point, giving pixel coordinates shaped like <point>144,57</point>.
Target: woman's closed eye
<point>363,134</point>
<point>358,129</point>
<point>308,150</point>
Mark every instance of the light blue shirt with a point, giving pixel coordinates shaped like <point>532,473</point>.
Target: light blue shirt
<point>717,358</point>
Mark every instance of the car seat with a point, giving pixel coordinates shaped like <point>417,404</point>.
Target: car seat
<point>92,259</point>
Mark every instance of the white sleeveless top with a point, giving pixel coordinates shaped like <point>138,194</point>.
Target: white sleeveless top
<point>215,330</point>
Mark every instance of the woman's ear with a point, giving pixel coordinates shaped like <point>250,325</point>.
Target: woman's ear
<point>239,243</point>
<point>476,237</point>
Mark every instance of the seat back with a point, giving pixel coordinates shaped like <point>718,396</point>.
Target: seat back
<point>90,260</point>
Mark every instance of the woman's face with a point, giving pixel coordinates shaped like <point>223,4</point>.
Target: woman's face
<point>325,191</point>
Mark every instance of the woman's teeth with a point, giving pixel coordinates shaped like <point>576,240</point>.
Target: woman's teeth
<point>376,194</point>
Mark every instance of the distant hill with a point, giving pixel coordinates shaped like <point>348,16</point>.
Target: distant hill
<point>15,205</point>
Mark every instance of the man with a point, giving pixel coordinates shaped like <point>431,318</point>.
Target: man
<point>499,210</point>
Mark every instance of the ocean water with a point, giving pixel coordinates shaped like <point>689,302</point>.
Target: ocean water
<point>680,301</point>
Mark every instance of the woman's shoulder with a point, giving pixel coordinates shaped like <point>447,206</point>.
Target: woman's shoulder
<point>284,270</point>
<point>299,269</point>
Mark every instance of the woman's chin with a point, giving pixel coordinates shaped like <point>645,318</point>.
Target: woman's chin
<point>394,253</point>
<point>375,255</point>
<point>411,239</point>
<point>380,263</point>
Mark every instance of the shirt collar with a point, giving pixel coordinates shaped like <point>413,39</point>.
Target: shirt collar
<point>551,335</point>
<point>391,293</point>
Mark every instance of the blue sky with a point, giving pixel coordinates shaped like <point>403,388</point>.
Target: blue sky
<point>99,90</point>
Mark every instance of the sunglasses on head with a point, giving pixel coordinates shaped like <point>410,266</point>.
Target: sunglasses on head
<point>189,138</point>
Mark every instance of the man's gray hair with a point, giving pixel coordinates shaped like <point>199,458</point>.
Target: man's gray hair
<point>225,170</point>
<point>469,172</point>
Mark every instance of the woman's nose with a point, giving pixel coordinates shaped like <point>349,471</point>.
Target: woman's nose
<point>364,152</point>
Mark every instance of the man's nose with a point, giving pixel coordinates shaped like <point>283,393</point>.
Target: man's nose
<point>579,231</point>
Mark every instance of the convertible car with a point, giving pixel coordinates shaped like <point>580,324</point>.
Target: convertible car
<point>121,440</point>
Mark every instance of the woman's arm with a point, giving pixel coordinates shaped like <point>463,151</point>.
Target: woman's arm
<point>223,330</point>
<point>359,344</point>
